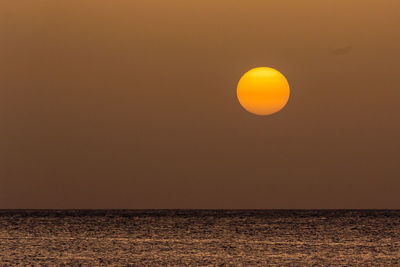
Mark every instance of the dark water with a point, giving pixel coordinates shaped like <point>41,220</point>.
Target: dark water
<point>195,237</point>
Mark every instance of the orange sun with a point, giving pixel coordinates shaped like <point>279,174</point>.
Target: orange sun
<point>263,91</point>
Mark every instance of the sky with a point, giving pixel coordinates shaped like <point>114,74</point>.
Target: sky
<point>132,104</point>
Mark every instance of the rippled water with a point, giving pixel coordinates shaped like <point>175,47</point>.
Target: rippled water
<point>200,237</point>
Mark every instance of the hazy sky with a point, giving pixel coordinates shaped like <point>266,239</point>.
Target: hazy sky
<point>132,104</point>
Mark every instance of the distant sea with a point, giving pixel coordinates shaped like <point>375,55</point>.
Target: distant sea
<point>199,237</point>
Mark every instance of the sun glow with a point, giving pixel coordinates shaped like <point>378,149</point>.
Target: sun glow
<point>263,91</point>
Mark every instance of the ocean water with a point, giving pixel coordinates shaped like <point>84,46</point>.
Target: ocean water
<point>199,237</point>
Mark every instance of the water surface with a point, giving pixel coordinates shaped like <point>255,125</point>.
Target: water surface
<point>200,237</point>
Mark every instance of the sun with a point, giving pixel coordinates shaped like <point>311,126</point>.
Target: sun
<point>263,91</point>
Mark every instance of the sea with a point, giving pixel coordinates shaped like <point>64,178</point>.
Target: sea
<point>200,237</point>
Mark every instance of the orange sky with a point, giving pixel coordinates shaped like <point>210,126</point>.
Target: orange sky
<point>132,104</point>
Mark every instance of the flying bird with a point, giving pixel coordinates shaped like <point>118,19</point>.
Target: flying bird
<point>342,51</point>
